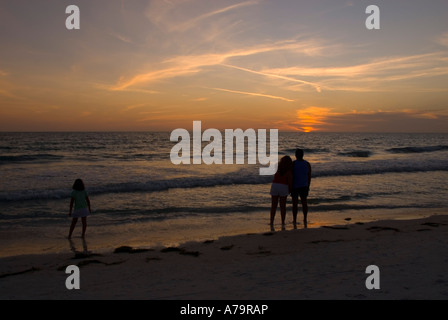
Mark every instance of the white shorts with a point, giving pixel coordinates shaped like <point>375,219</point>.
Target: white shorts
<point>279,189</point>
<point>80,213</point>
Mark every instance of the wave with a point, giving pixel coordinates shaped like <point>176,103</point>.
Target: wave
<point>292,151</point>
<point>356,154</point>
<point>379,167</point>
<point>244,176</point>
<point>418,149</point>
<point>95,157</point>
<point>30,158</point>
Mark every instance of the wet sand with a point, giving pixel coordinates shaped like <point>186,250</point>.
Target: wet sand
<point>318,263</point>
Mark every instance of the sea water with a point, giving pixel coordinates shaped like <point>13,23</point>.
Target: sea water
<point>140,198</point>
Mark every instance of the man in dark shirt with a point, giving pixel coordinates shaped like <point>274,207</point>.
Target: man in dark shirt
<point>301,186</point>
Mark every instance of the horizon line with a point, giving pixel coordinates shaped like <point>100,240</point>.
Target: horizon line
<point>279,130</point>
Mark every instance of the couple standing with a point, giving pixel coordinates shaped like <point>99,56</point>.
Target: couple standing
<point>292,177</point>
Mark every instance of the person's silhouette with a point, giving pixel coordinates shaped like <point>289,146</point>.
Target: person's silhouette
<point>280,188</point>
<point>301,186</point>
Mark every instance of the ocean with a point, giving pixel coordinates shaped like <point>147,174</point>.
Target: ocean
<point>140,198</point>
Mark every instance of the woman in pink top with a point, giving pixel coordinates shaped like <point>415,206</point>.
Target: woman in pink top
<point>281,188</point>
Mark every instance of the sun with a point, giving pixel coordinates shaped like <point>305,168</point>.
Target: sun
<point>311,118</point>
<point>307,129</point>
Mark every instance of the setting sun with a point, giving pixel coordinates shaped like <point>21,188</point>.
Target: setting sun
<point>312,118</point>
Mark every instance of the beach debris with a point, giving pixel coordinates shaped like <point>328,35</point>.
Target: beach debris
<point>32,269</point>
<point>153,259</point>
<point>91,261</point>
<point>261,251</point>
<point>127,249</point>
<point>327,241</point>
<point>377,228</point>
<point>171,249</point>
<point>95,261</point>
<point>190,253</point>
<point>335,227</point>
<point>83,255</point>
<point>226,248</point>
<point>182,251</point>
<point>432,224</point>
<point>86,262</point>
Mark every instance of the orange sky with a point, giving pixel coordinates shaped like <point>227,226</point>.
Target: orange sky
<point>160,65</point>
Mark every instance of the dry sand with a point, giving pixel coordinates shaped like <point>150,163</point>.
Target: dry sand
<point>322,263</point>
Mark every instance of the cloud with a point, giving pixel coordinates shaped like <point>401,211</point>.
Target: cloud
<point>135,106</point>
<point>255,94</point>
<point>190,64</point>
<point>375,73</point>
<point>170,17</point>
<point>443,39</point>
<point>7,94</point>
<point>199,99</point>
<point>270,75</point>
<point>163,116</point>
<point>311,118</point>
<point>120,37</point>
<point>193,22</point>
<point>325,119</point>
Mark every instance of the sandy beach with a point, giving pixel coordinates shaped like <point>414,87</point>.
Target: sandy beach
<point>320,263</point>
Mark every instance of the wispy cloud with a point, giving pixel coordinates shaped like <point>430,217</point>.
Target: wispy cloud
<point>256,94</point>
<point>7,94</point>
<point>363,77</point>
<point>190,64</point>
<point>134,106</point>
<point>200,99</point>
<point>372,68</point>
<point>369,76</point>
<point>277,76</point>
<point>193,22</point>
<point>120,37</point>
<point>443,39</point>
<point>167,14</point>
<point>170,117</point>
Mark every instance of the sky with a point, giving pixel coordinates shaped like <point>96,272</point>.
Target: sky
<point>158,65</point>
